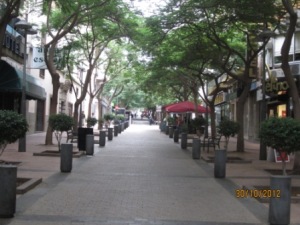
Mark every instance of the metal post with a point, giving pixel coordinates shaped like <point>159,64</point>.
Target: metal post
<point>27,28</point>
<point>206,114</point>
<point>22,140</point>
<point>80,107</point>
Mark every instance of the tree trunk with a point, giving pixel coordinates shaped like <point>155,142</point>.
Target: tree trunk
<point>99,112</point>
<point>293,90</point>
<point>212,119</point>
<point>53,107</point>
<point>90,106</point>
<point>76,116</point>
<point>240,145</point>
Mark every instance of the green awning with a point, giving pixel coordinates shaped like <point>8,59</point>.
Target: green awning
<point>11,81</point>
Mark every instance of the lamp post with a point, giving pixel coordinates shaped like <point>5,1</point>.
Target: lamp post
<point>265,35</point>
<point>27,28</point>
<point>80,107</point>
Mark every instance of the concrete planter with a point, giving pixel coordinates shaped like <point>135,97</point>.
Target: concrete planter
<point>176,135</point>
<point>89,144</point>
<point>196,151</point>
<point>119,128</point>
<point>171,131</point>
<point>116,130</point>
<point>82,132</point>
<point>8,187</point>
<point>167,130</point>
<point>280,202</point>
<point>183,140</point>
<point>102,138</point>
<point>220,163</point>
<point>110,133</point>
<point>66,157</point>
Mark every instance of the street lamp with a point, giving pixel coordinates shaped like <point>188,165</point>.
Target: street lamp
<point>265,35</point>
<point>27,28</point>
<point>81,70</point>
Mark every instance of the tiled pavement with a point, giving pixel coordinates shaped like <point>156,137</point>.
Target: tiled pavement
<point>141,177</point>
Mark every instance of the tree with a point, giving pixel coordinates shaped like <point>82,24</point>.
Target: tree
<point>62,18</point>
<point>294,92</point>
<point>230,25</point>
<point>60,123</point>
<point>12,127</point>
<point>281,134</point>
<point>228,128</point>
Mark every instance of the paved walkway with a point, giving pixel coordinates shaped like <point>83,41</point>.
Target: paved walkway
<point>141,177</point>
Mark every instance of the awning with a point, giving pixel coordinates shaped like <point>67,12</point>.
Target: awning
<point>186,106</point>
<point>11,81</point>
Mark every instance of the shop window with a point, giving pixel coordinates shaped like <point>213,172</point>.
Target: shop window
<point>62,107</point>
<point>70,109</point>
<point>42,73</point>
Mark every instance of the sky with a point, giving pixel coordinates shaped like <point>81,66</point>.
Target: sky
<point>147,7</point>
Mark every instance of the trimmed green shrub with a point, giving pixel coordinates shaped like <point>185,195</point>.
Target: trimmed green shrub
<point>60,123</point>
<point>228,128</point>
<point>108,117</point>
<point>120,117</point>
<point>12,127</point>
<point>197,124</point>
<point>281,134</point>
<point>91,121</point>
<point>171,121</point>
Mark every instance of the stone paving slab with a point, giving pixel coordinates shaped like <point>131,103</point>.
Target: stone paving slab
<point>141,177</point>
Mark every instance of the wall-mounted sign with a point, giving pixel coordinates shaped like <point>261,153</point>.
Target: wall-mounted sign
<point>38,58</point>
<point>274,86</point>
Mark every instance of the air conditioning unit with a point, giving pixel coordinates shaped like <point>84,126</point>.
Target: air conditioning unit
<point>295,69</point>
<point>277,73</point>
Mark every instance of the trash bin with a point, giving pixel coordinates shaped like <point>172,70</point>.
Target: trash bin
<point>82,132</point>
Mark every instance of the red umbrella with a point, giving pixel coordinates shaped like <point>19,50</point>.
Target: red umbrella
<point>186,106</point>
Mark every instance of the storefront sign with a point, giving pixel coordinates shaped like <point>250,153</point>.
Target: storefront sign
<point>12,41</point>
<point>38,58</point>
<point>273,85</point>
<point>220,98</point>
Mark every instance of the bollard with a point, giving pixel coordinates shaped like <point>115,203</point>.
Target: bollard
<point>122,126</point>
<point>66,157</point>
<point>171,131</point>
<point>102,138</point>
<point>220,163</point>
<point>176,135</point>
<point>119,128</point>
<point>183,140</point>
<point>167,130</point>
<point>8,187</point>
<point>196,148</point>
<point>116,130</point>
<point>110,134</point>
<point>89,145</point>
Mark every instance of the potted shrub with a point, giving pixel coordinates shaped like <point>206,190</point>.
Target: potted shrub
<point>91,121</point>
<point>171,121</point>
<point>226,128</point>
<point>283,135</point>
<point>198,124</point>
<point>108,117</point>
<point>60,123</point>
<point>12,127</point>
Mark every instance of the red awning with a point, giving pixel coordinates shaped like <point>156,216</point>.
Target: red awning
<point>186,106</point>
